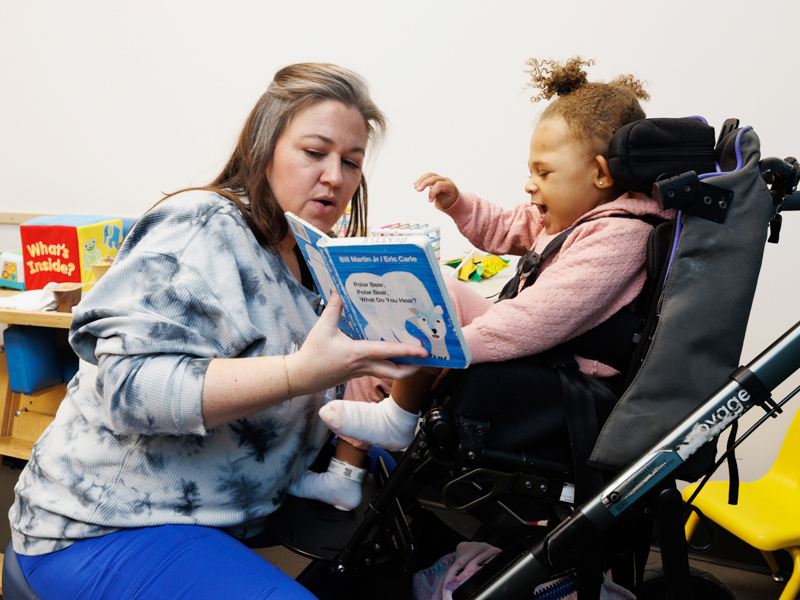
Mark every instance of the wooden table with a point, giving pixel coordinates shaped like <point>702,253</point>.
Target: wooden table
<point>39,318</point>
<point>23,418</point>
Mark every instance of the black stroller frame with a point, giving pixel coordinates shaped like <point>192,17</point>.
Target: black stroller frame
<point>642,491</point>
<point>749,386</point>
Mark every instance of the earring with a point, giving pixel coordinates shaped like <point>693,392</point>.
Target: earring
<point>600,183</point>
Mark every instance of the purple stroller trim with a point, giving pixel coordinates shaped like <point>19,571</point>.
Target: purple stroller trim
<point>739,158</point>
<point>678,228</point>
<point>739,164</point>
<point>679,218</point>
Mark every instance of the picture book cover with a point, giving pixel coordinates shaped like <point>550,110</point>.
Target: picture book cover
<point>392,289</point>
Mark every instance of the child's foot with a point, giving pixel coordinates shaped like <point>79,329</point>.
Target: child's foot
<point>382,424</point>
<point>329,487</point>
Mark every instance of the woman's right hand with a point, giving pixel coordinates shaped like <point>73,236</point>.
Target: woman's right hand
<point>443,192</point>
<point>328,357</point>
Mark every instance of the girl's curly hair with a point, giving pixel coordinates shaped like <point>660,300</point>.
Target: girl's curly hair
<point>593,111</point>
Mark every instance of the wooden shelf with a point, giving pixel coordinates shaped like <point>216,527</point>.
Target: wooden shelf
<point>40,318</point>
<point>7,218</point>
<point>10,446</point>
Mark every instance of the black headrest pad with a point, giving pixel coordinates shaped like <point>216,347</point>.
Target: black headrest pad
<point>649,150</point>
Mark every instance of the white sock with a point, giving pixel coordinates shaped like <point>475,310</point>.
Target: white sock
<point>330,487</point>
<point>382,424</point>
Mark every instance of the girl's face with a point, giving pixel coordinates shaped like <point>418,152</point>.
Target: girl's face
<point>565,182</point>
<point>316,166</point>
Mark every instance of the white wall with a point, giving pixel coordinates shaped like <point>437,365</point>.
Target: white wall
<point>105,105</point>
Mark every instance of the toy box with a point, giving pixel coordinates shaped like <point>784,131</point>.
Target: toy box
<point>62,248</point>
<point>13,273</point>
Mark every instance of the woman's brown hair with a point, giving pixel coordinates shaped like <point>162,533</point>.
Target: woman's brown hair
<point>593,111</point>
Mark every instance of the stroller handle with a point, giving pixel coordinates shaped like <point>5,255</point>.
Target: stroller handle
<point>782,175</point>
<point>791,202</point>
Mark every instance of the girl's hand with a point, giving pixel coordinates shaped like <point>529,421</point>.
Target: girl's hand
<point>328,357</point>
<point>443,192</point>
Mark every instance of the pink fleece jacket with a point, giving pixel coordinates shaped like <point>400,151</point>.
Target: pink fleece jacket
<point>598,270</point>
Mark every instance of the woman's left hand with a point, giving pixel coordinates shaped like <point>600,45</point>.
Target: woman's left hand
<point>328,357</point>
<point>234,388</point>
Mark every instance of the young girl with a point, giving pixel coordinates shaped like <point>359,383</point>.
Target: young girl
<point>598,270</point>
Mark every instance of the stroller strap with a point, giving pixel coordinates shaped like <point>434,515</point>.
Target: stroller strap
<point>613,341</point>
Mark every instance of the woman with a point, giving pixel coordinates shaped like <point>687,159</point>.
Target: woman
<point>204,363</point>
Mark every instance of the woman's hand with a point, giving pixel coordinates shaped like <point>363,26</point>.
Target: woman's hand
<point>236,387</point>
<point>328,357</point>
<point>443,192</point>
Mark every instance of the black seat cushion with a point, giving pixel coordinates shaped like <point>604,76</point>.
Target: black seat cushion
<point>524,403</point>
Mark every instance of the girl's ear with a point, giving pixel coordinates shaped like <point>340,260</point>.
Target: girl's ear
<point>603,178</point>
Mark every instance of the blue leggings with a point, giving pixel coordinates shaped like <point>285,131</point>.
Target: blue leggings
<point>173,561</point>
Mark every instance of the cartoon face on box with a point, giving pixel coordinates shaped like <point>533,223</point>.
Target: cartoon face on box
<point>62,248</point>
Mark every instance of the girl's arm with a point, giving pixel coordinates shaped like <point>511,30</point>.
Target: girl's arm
<point>486,225</point>
<point>495,229</point>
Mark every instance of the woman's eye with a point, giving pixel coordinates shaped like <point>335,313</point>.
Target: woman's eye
<point>351,164</point>
<point>314,153</point>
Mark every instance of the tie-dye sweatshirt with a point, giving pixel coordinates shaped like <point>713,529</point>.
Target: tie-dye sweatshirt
<point>128,447</point>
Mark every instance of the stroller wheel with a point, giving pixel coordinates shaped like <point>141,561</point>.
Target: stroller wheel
<point>704,586</point>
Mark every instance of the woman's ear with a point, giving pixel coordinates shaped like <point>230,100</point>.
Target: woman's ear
<point>603,178</point>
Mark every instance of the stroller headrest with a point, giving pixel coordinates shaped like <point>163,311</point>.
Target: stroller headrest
<point>650,150</point>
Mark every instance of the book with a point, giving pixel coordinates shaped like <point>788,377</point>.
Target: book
<point>391,288</point>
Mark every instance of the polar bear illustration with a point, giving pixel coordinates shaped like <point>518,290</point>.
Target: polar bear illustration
<point>431,322</point>
<point>388,302</point>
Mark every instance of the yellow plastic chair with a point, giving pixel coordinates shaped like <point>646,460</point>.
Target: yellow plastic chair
<point>768,513</point>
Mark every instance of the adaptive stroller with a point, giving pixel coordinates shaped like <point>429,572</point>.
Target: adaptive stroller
<point>565,515</point>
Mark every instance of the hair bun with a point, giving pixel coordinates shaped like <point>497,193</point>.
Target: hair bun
<point>555,79</point>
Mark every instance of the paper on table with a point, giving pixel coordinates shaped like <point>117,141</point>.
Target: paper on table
<point>30,300</point>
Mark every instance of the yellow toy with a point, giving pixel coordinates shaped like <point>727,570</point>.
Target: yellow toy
<point>476,266</point>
